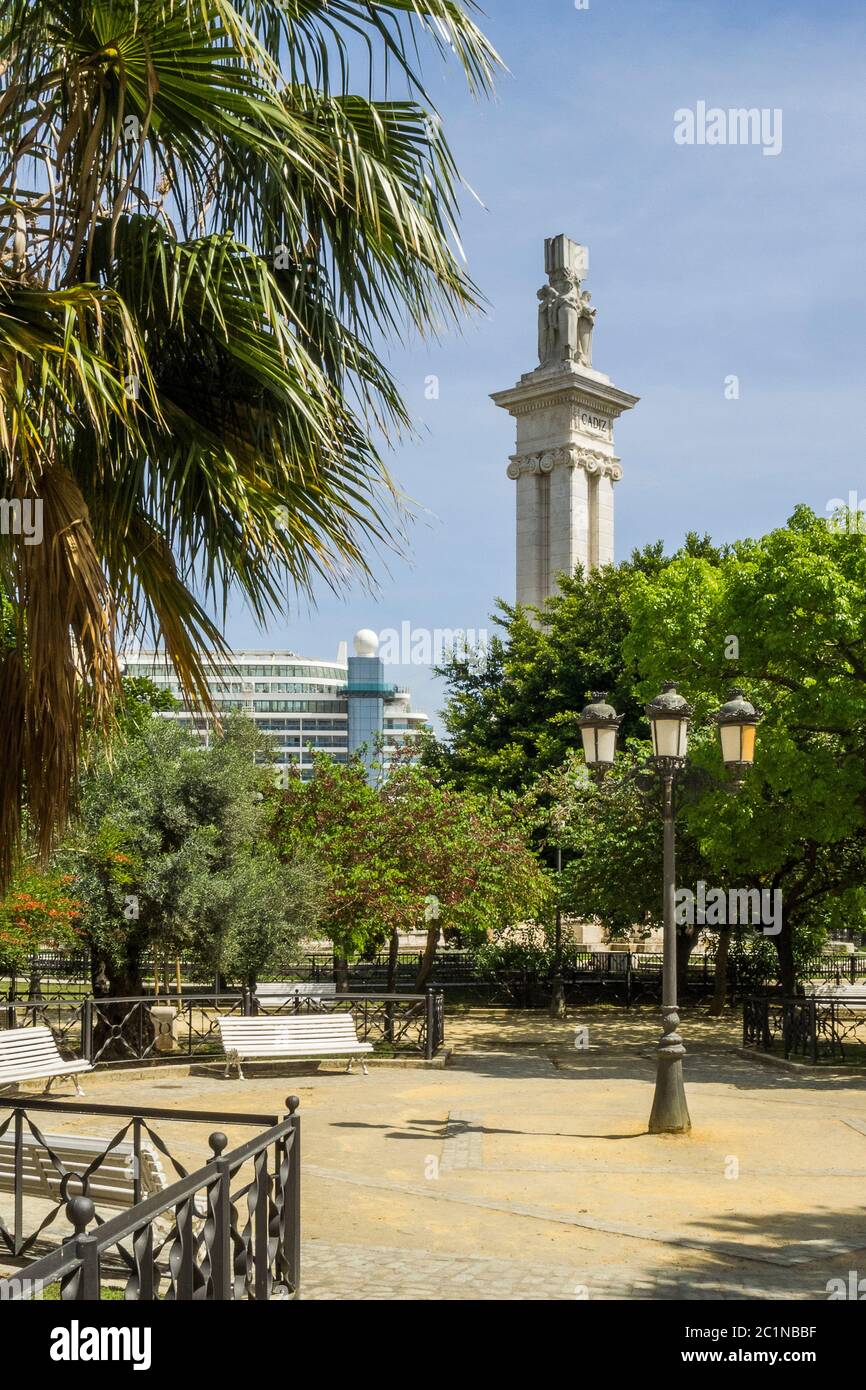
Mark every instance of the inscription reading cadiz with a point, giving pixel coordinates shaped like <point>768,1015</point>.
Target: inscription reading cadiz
<point>598,423</point>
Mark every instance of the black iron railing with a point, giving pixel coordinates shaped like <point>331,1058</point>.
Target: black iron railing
<point>633,974</point>
<point>229,1230</point>
<point>34,1162</point>
<point>628,977</point>
<point>819,1027</point>
<point>127,1030</point>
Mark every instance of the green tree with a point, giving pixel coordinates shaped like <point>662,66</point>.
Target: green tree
<point>245,912</point>
<point>611,840</point>
<point>171,853</point>
<point>389,849</point>
<point>785,618</point>
<point>510,715</point>
<point>510,722</point>
<point>340,812</point>
<point>208,226</point>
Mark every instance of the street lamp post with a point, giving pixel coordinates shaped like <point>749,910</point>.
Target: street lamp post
<point>669,718</point>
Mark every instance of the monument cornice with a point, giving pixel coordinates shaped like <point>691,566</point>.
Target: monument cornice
<point>541,391</point>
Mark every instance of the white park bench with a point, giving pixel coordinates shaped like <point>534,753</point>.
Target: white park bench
<point>278,993</point>
<point>112,1184</point>
<point>27,1054</point>
<point>308,1036</point>
<point>844,992</point>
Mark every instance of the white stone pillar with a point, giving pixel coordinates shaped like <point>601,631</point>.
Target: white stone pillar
<point>603,538</point>
<point>532,514</point>
<point>569,516</point>
<point>592,497</point>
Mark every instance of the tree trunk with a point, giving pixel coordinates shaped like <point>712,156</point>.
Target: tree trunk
<point>391,983</point>
<point>687,938</point>
<point>785,951</point>
<point>557,984</point>
<point>428,957</point>
<point>120,1031</point>
<point>341,973</point>
<point>720,984</point>
<point>557,1007</point>
<point>393,954</point>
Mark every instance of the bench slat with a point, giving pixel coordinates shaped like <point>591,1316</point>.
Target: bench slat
<point>43,1058</point>
<point>303,1051</point>
<point>277,1032</point>
<point>17,1054</point>
<point>275,1024</point>
<point>278,1029</point>
<point>271,1030</point>
<point>328,1030</point>
<point>15,1038</point>
<point>57,1068</point>
<point>10,1036</point>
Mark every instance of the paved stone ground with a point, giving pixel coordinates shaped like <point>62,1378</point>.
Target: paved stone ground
<point>523,1170</point>
<point>356,1272</point>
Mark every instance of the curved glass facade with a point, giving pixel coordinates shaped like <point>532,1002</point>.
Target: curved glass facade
<point>301,705</point>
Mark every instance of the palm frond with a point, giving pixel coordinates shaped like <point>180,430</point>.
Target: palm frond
<point>205,229</point>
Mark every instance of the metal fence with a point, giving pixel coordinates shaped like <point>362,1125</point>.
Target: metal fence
<point>125,1029</point>
<point>51,971</point>
<point>818,1027</point>
<point>229,1230</point>
<point>632,978</point>
<point>628,977</point>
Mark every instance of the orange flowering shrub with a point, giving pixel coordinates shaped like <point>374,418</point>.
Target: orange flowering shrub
<point>37,914</point>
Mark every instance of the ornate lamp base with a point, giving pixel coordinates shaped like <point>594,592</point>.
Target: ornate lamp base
<point>670,1113</point>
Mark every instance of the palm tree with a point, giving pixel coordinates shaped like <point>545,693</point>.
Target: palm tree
<point>205,232</point>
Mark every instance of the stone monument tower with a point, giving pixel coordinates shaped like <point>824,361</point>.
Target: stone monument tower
<point>564,465</point>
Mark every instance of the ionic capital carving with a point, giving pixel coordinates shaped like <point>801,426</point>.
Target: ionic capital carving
<point>571,456</point>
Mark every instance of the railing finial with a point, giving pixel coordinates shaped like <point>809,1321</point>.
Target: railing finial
<point>80,1211</point>
<point>217,1142</point>
<point>292,1103</point>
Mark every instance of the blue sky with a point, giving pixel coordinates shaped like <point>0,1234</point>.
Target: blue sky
<point>705,261</point>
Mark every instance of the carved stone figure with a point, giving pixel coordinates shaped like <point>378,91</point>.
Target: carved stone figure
<point>558,319</point>
<point>567,315</point>
<point>546,325</point>
<point>585,325</point>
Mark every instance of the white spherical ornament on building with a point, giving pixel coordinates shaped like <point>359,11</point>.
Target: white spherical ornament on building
<point>366,642</point>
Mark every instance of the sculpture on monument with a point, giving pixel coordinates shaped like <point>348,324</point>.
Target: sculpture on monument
<point>585,325</point>
<point>565,318</point>
<point>546,324</point>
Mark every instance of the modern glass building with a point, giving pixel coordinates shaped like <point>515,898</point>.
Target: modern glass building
<point>337,706</point>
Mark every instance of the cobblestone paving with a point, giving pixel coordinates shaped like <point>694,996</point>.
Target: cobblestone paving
<point>461,1146</point>
<point>383,1273</point>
